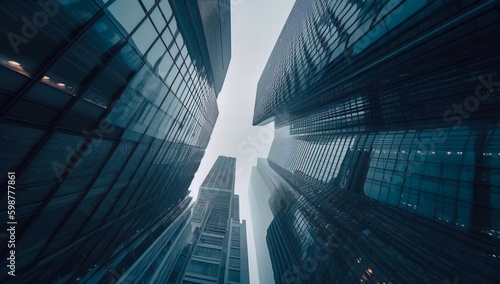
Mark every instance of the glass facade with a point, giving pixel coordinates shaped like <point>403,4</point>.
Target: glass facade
<point>160,247</point>
<point>385,162</point>
<point>106,108</point>
<point>259,196</point>
<point>218,243</point>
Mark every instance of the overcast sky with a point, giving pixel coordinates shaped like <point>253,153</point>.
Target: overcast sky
<point>256,25</point>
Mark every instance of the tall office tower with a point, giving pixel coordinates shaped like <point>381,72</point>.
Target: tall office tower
<point>217,247</point>
<point>259,196</point>
<point>386,156</point>
<point>106,109</point>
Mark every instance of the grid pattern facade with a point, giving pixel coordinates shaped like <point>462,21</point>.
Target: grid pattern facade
<point>408,169</point>
<point>324,234</point>
<point>220,177</point>
<point>106,109</point>
<point>385,162</point>
<point>379,60</point>
<point>219,246</point>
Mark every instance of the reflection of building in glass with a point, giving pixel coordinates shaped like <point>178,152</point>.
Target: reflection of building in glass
<point>386,156</point>
<point>216,251</point>
<point>106,109</point>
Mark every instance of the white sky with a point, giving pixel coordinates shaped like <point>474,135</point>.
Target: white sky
<point>255,27</point>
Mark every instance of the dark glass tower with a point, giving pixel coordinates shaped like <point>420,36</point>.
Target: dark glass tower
<point>106,108</point>
<point>386,156</point>
<point>217,248</point>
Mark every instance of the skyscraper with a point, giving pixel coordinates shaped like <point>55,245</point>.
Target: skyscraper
<point>217,247</point>
<point>385,162</point>
<point>259,196</point>
<point>106,109</point>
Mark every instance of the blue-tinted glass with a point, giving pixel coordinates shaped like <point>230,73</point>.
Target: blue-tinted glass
<point>127,13</point>
<point>100,40</point>
<point>158,19</point>
<point>144,36</point>
<point>155,54</point>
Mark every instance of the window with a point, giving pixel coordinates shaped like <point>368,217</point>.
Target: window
<point>235,252</point>
<point>211,240</point>
<point>234,262</point>
<point>158,20</point>
<point>148,4</point>
<point>103,89</point>
<point>208,252</point>
<point>144,36</point>
<point>165,65</point>
<point>234,275</point>
<point>203,268</point>
<point>127,13</point>
<point>235,236</point>
<point>166,9</point>
<point>126,62</point>
<point>100,41</point>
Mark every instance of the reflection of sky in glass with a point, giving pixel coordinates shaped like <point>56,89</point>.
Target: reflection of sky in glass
<point>144,36</point>
<point>321,160</point>
<point>127,13</point>
<point>360,29</point>
<point>300,225</point>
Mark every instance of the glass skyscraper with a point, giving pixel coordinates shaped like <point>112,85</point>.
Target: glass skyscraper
<point>216,250</point>
<point>385,167</point>
<point>106,108</point>
<point>259,195</point>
